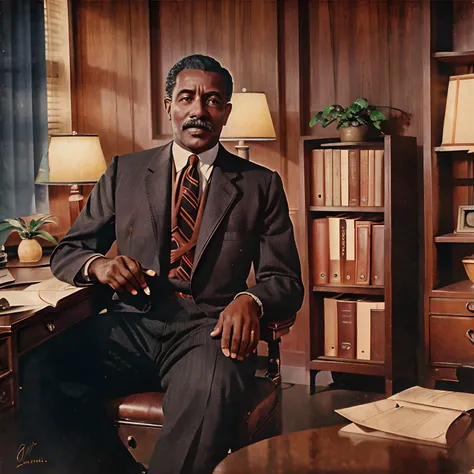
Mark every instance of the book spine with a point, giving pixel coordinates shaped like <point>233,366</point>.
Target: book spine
<point>364,178</point>
<point>336,177</point>
<point>317,178</point>
<point>344,177</point>
<point>354,171</point>
<point>320,251</point>
<point>328,187</point>
<point>346,328</point>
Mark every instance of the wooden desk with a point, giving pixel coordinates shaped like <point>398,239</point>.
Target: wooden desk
<point>21,332</point>
<point>324,450</point>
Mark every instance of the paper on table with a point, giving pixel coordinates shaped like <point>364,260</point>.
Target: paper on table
<point>437,398</point>
<point>52,290</point>
<point>434,416</point>
<point>5,277</point>
<point>48,292</point>
<point>22,298</point>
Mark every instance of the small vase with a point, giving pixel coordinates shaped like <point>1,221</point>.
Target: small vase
<point>29,251</point>
<point>353,134</point>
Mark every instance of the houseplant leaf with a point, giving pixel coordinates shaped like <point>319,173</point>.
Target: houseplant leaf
<point>43,219</point>
<point>5,231</point>
<point>14,223</point>
<point>46,236</point>
<point>361,102</point>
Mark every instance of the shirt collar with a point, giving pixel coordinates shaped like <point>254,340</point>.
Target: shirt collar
<point>180,156</point>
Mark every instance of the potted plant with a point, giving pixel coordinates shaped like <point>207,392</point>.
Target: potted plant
<point>29,249</point>
<point>352,122</point>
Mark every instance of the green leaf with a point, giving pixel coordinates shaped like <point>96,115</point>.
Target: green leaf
<point>328,109</point>
<point>361,102</point>
<point>14,223</point>
<point>376,115</point>
<point>377,126</point>
<point>43,219</point>
<point>25,235</point>
<point>5,225</point>
<point>46,236</point>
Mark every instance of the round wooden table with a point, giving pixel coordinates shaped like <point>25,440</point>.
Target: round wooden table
<point>324,450</point>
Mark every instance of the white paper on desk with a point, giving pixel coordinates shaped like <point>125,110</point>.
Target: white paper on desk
<point>22,298</point>
<point>5,277</point>
<point>52,290</point>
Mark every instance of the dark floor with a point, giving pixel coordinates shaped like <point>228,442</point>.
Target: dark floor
<point>302,411</point>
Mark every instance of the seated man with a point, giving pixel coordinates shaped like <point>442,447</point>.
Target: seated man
<point>189,219</point>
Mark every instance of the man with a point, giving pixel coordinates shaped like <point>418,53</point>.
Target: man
<point>189,219</point>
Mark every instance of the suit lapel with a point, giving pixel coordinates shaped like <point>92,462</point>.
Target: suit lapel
<point>222,193</point>
<point>158,191</point>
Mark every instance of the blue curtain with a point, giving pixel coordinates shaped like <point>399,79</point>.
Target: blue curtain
<point>23,107</point>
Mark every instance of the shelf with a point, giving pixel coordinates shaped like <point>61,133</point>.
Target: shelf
<point>351,366</point>
<point>455,149</point>
<point>361,209</point>
<point>454,238</point>
<point>354,289</point>
<point>460,289</point>
<point>375,144</point>
<point>458,58</point>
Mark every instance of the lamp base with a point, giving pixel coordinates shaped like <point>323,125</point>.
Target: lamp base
<point>243,150</point>
<point>76,202</point>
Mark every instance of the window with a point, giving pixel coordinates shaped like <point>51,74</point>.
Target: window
<point>58,70</point>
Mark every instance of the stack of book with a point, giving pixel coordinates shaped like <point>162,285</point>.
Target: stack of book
<point>354,328</point>
<point>347,250</point>
<point>347,177</point>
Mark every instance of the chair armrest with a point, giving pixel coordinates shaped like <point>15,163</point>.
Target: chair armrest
<point>272,334</point>
<point>273,331</point>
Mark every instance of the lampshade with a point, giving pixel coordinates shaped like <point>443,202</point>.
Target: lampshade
<point>458,130</point>
<point>72,159</point>
<point>250,118</point>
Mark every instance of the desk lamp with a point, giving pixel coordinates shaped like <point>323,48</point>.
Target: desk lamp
<point>249,120</point>
<point>72,160</point>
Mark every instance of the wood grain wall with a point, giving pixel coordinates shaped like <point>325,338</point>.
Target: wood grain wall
<point>303,54</point>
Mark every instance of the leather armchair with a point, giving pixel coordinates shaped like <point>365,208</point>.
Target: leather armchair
<point>139,417</point>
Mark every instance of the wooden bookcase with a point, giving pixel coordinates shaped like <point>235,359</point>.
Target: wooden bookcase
<point>448,183</point>
<point>400,292</point>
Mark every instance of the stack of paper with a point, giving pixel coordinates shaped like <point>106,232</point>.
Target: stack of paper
<point>46,293</point>
<point>420,415</point>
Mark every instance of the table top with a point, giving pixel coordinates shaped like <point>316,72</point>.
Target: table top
<point>29,275</point>
<point>325,450</point>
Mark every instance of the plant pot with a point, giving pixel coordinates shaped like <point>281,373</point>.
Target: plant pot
<point>29,250</point>
<point>353,134</point>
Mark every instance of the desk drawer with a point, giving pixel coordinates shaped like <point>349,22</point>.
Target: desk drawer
<point>50,325</point>
<point>448,341</point>
<point>461,306</point>
<point>6,393</point>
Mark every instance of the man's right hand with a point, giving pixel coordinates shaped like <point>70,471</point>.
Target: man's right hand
<point>121,273</point>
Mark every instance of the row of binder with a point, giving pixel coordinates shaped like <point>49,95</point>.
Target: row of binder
<point>354,328</point>
<point>347,177</point>
<point>348,250</point>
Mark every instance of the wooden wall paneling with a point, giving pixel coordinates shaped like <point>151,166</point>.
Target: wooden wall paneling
<point>295,346</point>
<point>463,19</point>
<point>141,75</point>
<point>405,59</point>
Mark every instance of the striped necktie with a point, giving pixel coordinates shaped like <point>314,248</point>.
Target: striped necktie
<point>186,220</point>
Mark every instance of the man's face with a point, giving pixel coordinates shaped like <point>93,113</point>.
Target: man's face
<point>198,109</point>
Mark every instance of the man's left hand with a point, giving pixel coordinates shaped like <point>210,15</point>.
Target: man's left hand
<point>240,327</point>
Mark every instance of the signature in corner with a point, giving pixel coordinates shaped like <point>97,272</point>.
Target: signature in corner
<point>24,455</point>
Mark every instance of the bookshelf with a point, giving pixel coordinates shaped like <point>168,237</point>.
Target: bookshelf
<point>400,247</point>
<point>448,184</point>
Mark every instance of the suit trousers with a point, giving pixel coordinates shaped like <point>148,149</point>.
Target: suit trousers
<point>116,354</point>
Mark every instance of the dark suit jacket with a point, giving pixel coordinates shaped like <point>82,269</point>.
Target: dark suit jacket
<point>245,220</point>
